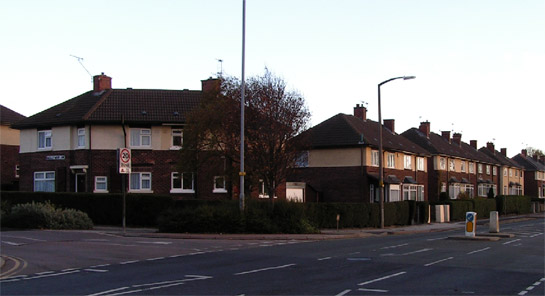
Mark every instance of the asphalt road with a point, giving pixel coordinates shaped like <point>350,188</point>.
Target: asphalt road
<point>87,263</point>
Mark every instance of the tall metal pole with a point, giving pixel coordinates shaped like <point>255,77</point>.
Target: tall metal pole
<point>242,103</point>
<point>380,158</point>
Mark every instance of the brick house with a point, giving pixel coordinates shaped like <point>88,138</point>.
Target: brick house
<point>454,166</point>
<point>342,164</point>
<point>534,175</point>
<point>9,148</point>
<point>511,176</point>
<point>72,147</point>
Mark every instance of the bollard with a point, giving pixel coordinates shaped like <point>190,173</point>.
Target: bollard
<point>439,214</point>
<point>494,222</point>
<point>471,223</point>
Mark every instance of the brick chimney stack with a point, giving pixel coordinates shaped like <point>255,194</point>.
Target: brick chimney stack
<point>446,135</point>
<point>542,159</point>
<point>390,124</point>
<point>360,112</point>
<point>524,152</point>
<point>473,143</point>
<point>504,152</point>
<point>457,138</point>
<point>101,82</point>
<point>425,128</point>
<point>211,85</point>
<point>490,147</point>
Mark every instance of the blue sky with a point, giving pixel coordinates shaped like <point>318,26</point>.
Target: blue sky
<point>479,64</point>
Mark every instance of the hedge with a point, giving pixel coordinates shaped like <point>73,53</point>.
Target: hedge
<point>514,204</point>
<point>505,205</point>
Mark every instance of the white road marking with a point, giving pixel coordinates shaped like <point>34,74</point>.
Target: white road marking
<point>265,269</point>
<point>537,234</point>
<point>382,278</point>
<point>101,265</point>
<point>152,286</point>
<point>45,272</point>
<point>156,243</point>
<point>51,275</point>
<point>477,251</point>
<point>438,261</point>
<point>95,270</point>
<point>24,237</point>
<point>129,262</point>
<point>393,247</point>
<point>434,239</point>
<point>373,290</point>
<point>324,258</point>
<point>154,259</point>
<point>109,291</point>
<point>344,292</point>
<point>509,242</point>
<point>12,243</point>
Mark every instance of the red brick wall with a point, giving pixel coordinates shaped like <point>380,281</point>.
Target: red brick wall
<point>9,155</point>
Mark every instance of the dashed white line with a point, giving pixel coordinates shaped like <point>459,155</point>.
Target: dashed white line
<point>344,292</point>
<point>510,242</point>
<point>95,270</point>
<point>373,290</point>
<point>477,251</point>
<point>154,259</point>
<point>393,247</point>
<point>265,269</point>
<point>382,278</point>
<point>324,258</point>
<point>438,261</point>
<point>537,234</point>
<point>434,239</point>
<point>129,262</point>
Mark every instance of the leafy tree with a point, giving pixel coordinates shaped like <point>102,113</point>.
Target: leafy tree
<point>531,151</point>
<point>273,117</point>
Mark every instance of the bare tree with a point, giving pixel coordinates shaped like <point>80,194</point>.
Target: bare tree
<point>273,117</point>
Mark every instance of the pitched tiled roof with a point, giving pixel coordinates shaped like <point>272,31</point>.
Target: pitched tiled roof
<point>528,163</point>
<point>135,106</point>
<point>438,145</point>
<point>344,130</point>
<point>503,160</point>
<point>8,116</point>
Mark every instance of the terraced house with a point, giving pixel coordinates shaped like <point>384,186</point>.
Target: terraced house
<point>342,164</point>
<point>72,147</point>
<point>454,166</point>
<point>534,175</point>
<point>511,178</point>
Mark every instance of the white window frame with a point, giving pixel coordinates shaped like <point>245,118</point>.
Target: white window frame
<point>262,191</point>
<point>221,189</point>
<point>391,160</point>
<point>452,165</point>
<point>374,158</point>
<point>101,180</point>
<point>463,166</point>
<point>80,138</point>
<point>47,178</point>
<point>183,186</point>
<point>17,169</point>
<point>420,163</point>
<point>138,136</point>
<point>413,192</point>
<point>442,163</point>
<point>480,168</point>
<point>510,172</point>
<point>176,132</point>
<point>472,168</point>
<point>494,171</point>
<point>394,193</point>
<point>143,178</point>
<point>45,142</point>
<point>488,169</point>
<point>408,163</point>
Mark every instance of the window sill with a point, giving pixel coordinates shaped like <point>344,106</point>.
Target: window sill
<point>141,191</point>
<point>219,191</point>
<point>175,148</point>
<point>101,191</point>
<point>181,191</point>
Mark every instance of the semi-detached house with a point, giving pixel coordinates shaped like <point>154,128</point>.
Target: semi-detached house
<point>342,163</point>
<point>9,149</point>
<point>511,177</point>
<point>534,174</point>
<point>72,147</point>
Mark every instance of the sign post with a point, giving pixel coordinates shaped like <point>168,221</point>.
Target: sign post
<point>124,160</point>
<point>471,223</point>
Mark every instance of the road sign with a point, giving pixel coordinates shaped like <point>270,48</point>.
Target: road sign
<point>124,161</point>
<point>471,222</point>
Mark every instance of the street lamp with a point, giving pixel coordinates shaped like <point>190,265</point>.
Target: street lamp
<point>380,158</point>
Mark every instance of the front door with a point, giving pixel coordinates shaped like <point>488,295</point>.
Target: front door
<point>80,183</point>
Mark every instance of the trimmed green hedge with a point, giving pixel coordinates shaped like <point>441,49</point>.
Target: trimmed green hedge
<point>44,216</point>
<point>505,205</point>
<point>513,204</point>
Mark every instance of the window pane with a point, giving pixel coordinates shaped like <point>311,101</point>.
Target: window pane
<point>146,140</point>
<point>135,181</point>
<point>176,181</point>
<point>187,181</point>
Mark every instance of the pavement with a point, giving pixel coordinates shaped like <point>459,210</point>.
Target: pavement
<point>325,234</point>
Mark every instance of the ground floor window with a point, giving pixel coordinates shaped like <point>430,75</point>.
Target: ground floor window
<point>454,190</point>
<point>140,182</point>
<point>394,193</point>
<point>468,189</point>
<point>44,181</point>
<point>182,183</point>
<point>485,188</point>
<point>413,192</point>
<point>515,190</point>
<point>219,185</point>
<point>101,184</point>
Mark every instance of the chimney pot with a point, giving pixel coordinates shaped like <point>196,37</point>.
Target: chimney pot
<point>390,124</point>
<point>360,112</point>
<point>457,138</point>
<point>425,128</point>
<point>101,82</point>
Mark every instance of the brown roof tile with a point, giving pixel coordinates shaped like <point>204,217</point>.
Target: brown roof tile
<point>8,116</point>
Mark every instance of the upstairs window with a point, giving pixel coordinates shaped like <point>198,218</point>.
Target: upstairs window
<point>452,166</point>
<point>81,138</point>
<point>494,170</point>
<point>177,138</point>
<point>391,163</point>
<point>44,139</point>
<point>442,163</point>
<point>420,163</point>
<point>140,137</point>
<point>408,162</point>
<point>480,168</point>
<point>488,169</point>
<point>463,166</point>
<point>374,158</point>
<point>472,168</point>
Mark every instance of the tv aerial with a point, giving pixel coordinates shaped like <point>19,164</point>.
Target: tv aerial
<point>79,61</point>
<point>220,72</point>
